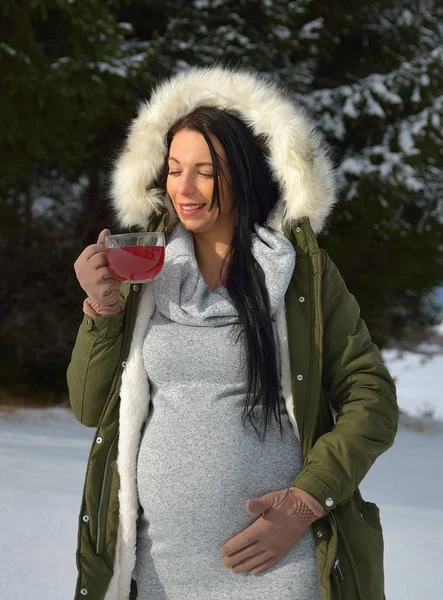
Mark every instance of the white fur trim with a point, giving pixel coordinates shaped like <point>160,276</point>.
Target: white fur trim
<point>112,593</point>
<point>285,367</point>
<point>298,159</point>
<point>134,408</point>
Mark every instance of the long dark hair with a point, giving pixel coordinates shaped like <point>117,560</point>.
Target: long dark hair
<point>255,192</point>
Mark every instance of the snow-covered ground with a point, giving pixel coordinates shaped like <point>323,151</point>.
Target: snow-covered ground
<point>43,457</point>
<point>44,454</point>
<point>419,376</point>
<point>419,380</point>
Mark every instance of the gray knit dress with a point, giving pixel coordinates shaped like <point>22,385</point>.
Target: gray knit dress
<point>197,463</point>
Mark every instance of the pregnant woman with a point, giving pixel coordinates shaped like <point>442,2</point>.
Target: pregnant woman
<point>238,398</point>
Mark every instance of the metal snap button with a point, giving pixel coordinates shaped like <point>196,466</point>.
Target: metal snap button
<point>99,440</point>
<point>86,518</point>
<point>300,377</point>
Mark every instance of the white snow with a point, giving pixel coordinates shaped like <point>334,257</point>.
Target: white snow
<point>373,108</point>
<point>377,84</point>
<point>406,18</point>
<point>406,141</point>
<point>43,461</point>
<point>128,27</point>
<point>8,49</point>
<point>312,30</point>
<point>419,381</point>
<point>349,108</point>
<point>44,454</point>
<point>281,32</point>
<point>407,484</point>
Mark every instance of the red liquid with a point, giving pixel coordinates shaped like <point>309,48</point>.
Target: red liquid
<point>135,263</point>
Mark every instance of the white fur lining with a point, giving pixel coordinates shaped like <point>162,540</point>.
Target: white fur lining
<point>297,156</point>
<point>285,367</point>
<point>134,408</point>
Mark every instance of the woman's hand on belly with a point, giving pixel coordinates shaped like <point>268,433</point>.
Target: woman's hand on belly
<point>285,517</point>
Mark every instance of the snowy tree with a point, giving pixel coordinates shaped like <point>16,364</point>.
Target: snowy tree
<point>63,79</point>
<point>72,75</point>
<point>382,112</point>
<point>371,74</point>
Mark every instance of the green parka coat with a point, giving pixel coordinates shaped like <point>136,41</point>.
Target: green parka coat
<point>342,397</point>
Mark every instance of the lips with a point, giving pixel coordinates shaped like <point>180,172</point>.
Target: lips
<point>190,210</point>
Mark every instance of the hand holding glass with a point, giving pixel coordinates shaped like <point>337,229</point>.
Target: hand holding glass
<point>135,257</point>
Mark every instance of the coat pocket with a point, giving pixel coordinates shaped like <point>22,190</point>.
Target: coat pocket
<point>336,583</point>
<point>360,550</point>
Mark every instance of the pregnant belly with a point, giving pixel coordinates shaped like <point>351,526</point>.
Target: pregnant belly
<point>196,472</point>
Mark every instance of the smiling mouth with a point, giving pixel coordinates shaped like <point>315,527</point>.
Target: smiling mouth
<point>189,207</point>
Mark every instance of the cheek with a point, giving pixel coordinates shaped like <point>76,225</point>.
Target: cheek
<point>171,189</point>
<point>227,203</point>
<point>206,188</point>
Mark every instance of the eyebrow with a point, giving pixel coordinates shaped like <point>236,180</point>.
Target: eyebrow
<point>200,164</point>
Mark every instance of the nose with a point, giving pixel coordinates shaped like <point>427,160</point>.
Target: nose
<point>186,185</point>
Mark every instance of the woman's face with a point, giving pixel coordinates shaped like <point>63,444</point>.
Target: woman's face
<point>190,184</point>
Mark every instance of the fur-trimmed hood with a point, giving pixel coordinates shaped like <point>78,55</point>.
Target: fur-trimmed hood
<point>297,156</point>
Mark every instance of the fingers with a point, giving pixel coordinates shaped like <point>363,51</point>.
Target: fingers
<point>94,275</point>
<point>91,251</point>
<point>96,269</point>
<point>251,558</point>
<point>98,260</point>
<point>96,279</point>
<point>243,539</point>
<point>234,559</point>
<point>107,277</point>
<point>242,552</point>
<point>252,562</point>
<point>265,565</point>
<point>102,235</point>
<point>257,506</point>
<point>101,274</point>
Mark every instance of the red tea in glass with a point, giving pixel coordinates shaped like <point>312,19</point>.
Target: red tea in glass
<point>135,257</point>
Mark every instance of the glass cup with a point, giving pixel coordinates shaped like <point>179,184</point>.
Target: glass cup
<point>135,257</point>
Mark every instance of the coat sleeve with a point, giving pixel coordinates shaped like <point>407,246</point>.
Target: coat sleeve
<point>361,392</point>
<point>95,359</point>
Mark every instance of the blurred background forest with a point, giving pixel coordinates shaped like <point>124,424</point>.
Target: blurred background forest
<point>72,74</point>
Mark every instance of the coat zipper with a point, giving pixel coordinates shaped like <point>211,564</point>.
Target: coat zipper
<point>337,569</point>
<point>332,552</point>
<point>351,560</point>
<point>336,566</point>
<point>98,548</point>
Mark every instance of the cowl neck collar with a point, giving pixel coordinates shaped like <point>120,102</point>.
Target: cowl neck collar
<point>182,295</point>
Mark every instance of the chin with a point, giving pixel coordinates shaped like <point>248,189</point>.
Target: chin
<point>191,225</point>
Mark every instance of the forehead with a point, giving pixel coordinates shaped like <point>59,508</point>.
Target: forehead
<point>189,142</point>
